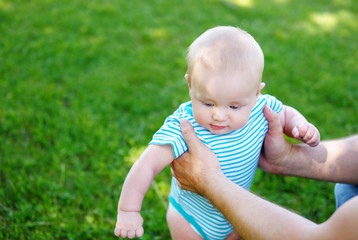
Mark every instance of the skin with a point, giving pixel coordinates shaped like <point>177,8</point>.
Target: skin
<point>152,161</point>
<point>255,218</point>
<point>222,98</point>
<point>155,158</point>
<point>332,160</point>
<point>222,103</point>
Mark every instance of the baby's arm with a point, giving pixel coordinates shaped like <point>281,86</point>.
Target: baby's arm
<point>295,125</point>
<point>152,161</point>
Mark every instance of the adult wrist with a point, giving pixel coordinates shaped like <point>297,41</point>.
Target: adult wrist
<point>208,180</point>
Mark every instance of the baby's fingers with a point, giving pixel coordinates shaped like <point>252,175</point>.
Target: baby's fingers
<point>120,232</point>
<point>123,234</point>
<point>299,132</point>
<point>131,234</point>
<point>296,133</point>
<point>139,232</point>
<point>313,141</point>
<point>309,134</point>
<point>117,232</point>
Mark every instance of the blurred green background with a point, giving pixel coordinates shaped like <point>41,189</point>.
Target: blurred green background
<point>85,84</point>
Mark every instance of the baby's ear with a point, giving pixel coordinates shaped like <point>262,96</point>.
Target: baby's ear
<point>261,86</point>
<point>187,80</point>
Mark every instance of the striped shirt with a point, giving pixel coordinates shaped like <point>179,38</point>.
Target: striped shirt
<point>238,153</point>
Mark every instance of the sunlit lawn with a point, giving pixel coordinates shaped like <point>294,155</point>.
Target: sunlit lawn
<point>85,84</point>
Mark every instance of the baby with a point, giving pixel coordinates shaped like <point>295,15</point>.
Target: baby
<point>225,66</point>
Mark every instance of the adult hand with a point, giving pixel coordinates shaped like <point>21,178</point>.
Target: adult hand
<point>194,169</point>
<point>276,149</point>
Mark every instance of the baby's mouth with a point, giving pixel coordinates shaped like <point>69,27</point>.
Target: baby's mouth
<point>217,127</point>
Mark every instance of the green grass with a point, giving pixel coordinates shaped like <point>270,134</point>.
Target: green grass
<point>85,84</point>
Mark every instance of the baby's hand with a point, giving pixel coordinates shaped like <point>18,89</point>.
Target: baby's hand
<point>307,133</point>
<point>129,224</point>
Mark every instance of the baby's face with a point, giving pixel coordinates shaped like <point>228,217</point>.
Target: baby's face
<point>222,102</point>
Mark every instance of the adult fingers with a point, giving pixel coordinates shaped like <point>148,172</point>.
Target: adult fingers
<point>189,134</point>
<point>273,121</point>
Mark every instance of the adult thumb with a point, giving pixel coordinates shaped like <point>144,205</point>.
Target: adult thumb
<point>274,122</point>
<point>189,134</point>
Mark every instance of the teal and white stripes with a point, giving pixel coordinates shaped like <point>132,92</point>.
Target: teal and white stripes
<point>238,153</point>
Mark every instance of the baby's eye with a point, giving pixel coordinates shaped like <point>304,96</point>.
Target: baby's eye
<point>234,107</point>
<point>208,104</point>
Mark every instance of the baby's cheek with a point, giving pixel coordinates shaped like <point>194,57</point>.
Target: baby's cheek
<point>202,117</point>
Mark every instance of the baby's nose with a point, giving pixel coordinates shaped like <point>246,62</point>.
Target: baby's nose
<point>219,114</point>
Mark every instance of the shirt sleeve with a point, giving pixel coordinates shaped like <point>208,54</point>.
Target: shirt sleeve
<point>170,133</point>
<point>275,104</point>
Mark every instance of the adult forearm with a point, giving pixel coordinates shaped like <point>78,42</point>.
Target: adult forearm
<point>331,160</point>
<point>254,217</point>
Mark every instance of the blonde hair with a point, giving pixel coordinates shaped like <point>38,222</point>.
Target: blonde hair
<point>226,48</point>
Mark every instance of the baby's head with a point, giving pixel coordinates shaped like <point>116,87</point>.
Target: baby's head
<point>225,66</point>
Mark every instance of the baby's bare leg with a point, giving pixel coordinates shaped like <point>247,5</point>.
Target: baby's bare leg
<point>179,227</point>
